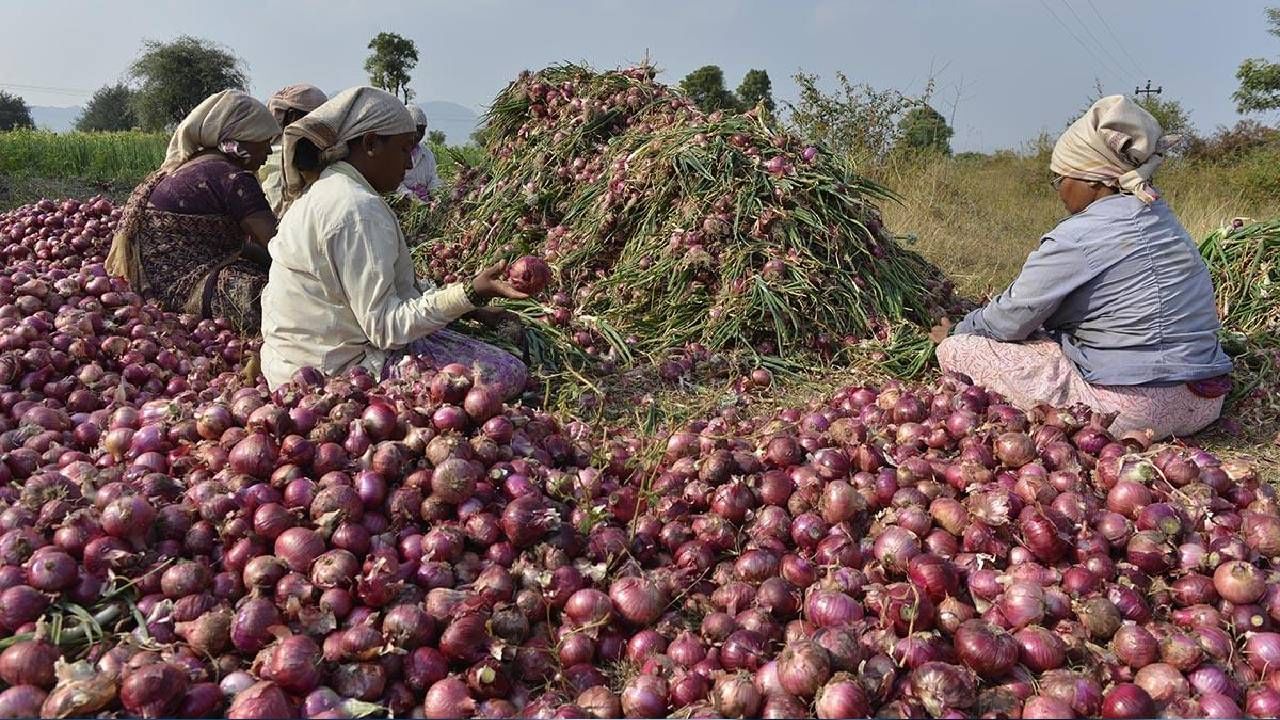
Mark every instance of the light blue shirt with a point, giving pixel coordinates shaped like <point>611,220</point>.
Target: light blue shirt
<point>1123,287</point>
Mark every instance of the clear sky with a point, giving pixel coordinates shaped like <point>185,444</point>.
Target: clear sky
<point>1017,66</point>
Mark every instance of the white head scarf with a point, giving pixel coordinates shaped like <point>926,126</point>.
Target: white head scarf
<point>230,115</point>
<point>302,97</point>
<point>350,114</point>
<point>419,115</point>
<point>1117,142</point>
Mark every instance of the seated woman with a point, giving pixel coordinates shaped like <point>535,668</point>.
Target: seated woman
<point>194,234</point>
<point>1115,308</point>
<point>287,106</point>
<point>342,290</point>
<point>421,179</point>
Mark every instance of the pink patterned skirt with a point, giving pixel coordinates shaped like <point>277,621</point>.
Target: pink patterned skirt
<point>491,366</point>
<point>1034,372</point>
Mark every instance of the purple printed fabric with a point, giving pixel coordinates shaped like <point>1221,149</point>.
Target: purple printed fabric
<point>211,187</point>
<point>491,366</point>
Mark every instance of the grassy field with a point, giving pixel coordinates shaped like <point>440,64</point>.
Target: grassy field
<point>35,164</point>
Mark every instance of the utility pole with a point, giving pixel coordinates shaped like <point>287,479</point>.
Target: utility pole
<point>1148,92</point>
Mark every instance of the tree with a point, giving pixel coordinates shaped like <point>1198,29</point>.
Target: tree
<point>705,86</point>
<point>174,77</point>
<point>1260,79</point>
<point>756,89</point>
<point>393,58</point>
<point>856,120</point>
<point>924,130</point>
<point>109,110</point>
<point>436,137</point>
<point>1173,118</point>
<point>14,112</point>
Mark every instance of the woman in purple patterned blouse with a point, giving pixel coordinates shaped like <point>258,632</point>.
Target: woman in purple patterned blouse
<point>194,234</point>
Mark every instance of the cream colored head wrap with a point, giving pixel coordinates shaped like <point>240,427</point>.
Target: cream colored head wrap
<point>419,115</point>
<point>302,97</point>
<point>350,114</point>
<point>228,115</point>
<point>1117,142</point>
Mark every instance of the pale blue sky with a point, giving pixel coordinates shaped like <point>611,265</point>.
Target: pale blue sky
<point>1022,71</point>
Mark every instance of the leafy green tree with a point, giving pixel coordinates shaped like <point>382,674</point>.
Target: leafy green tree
<point>14,112</point>
<point>436,137</point>
<point>1173,118</point>
<point>174,77</point>
<point>393,58</point>
<point>856,120</point>
<point>705,86</point>
<point>756,89</point>
<point>109,110</point>
<point>924,130</point>
<point>1259,78</point>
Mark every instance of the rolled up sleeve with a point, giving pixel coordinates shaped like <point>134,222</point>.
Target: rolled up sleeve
<point>1051,272</point>
<point>367,275</point>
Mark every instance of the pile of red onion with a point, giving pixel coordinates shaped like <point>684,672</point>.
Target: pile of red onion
<point>177,542</point>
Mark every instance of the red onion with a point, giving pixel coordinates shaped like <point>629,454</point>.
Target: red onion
<point>1127,700</point>
<point>1239,582</point>
<point>637,600</point>
<point>29,662</point>
<point>942,687</point>
<point>645,696</point>
<point>988,650</point>
<point>803,667</point>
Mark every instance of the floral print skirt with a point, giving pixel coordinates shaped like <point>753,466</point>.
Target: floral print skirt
<point>1034,372</point>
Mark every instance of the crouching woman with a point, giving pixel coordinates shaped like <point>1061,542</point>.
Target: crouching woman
<point>1115,308</point>
<point>342,289</point>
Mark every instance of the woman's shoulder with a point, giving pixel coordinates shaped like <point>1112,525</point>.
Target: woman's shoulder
<point>337,199</point>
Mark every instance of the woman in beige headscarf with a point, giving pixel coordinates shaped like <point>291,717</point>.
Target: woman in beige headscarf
<point>288,105</point>
<point>194,233</point>
<point>1115,308</point>
<point>342,290</point>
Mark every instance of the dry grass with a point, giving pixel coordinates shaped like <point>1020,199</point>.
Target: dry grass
<point>979,217</point>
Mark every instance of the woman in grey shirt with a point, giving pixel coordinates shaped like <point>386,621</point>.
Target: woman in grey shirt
<point>1115,308</point>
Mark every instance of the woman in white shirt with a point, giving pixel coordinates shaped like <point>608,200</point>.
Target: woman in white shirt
<point>287,105</point>
<point>421,178</point>
<point>342,290</point>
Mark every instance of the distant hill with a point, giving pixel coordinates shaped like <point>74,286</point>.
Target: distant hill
<point>57,119</point>
<point>456,121</point>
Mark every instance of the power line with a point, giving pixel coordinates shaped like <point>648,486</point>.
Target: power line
<point>1075,37</point>
<point>1119,43</point>
<point>48,89</point>
<point>1102,46</point>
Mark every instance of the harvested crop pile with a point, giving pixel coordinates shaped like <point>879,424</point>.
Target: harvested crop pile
<point>176,542</point>
<point>666,226</point>
<point>1245,262</point>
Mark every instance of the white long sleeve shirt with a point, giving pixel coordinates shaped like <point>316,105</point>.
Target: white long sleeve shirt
<point>271,175</point>
<point>421,178</point>
<point>342,289</point>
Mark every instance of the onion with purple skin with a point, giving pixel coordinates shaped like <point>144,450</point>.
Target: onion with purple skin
<point>942,687</point>
<point>1127,700</point>
<point>293,664</point>
<point>529,274</point>
<point>645,696</point>
<point>988,650</point>
<point>261,700</point>
<point>803,667</point>
<point>30,662</point>
<point>22,701</point>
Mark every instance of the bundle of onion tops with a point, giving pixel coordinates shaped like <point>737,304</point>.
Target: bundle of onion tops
<point>670,226</point>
